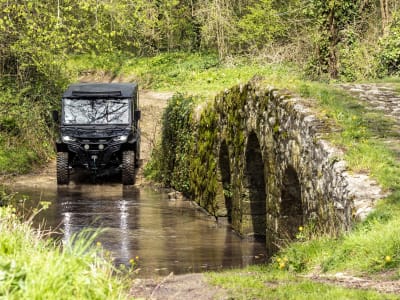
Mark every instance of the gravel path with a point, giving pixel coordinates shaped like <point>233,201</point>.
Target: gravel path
<point>381,97</point>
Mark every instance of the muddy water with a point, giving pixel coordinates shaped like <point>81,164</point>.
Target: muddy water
<point>167,235</point>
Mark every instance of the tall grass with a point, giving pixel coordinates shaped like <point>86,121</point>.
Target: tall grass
<point>32,267</point>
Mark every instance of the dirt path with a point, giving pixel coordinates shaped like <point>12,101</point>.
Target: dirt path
<point>382,97</point>
<point>182,287</point>
<point>380,283</point>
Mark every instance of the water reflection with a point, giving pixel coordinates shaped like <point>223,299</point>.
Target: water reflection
<point>167,236</point>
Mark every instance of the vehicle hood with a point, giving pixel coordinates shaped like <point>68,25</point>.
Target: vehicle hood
<point>95,132</point>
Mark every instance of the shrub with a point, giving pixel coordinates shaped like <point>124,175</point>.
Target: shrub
<point>390,44</point>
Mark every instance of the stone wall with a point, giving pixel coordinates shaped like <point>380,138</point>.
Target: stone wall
<point>274,171</point>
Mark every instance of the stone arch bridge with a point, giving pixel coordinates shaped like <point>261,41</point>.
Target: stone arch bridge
<point>274,172</point>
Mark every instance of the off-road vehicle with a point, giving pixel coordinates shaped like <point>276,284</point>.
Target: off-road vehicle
<point>99,130</point>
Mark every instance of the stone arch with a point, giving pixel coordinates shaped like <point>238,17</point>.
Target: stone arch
<point>291,207</point>
<point>255,187</point>
<point>225,169</point>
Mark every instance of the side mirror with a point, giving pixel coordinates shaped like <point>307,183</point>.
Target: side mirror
<point>55,116</point>
<point>137,115</point>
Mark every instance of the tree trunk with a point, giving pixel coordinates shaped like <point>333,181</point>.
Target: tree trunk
<point>385,13</point>
<point>333,41</point>
<point>220,31</point>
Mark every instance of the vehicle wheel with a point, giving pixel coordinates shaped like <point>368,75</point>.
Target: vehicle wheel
<point>137,156</point>
<point>128,167</point>
<point>62,168</point>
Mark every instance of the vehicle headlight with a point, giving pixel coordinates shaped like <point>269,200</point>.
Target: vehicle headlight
<point>122,138</point>
<point>67,138</point>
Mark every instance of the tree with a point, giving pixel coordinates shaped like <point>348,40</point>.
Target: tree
<point>260,24</point>
<point>217,24</point>
<point>332,17</point>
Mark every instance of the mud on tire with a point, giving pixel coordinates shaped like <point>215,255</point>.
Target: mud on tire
<point>128,167</point>
<point>62,168</point>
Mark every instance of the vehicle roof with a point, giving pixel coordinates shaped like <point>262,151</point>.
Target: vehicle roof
<point>96,90</point>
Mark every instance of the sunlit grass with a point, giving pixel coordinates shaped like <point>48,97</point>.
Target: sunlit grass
<point>260,282</point>
<point>32,267</point>
<point>191,73</point>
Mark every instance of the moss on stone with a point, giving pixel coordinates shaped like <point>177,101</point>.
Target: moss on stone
<point>284,139</point>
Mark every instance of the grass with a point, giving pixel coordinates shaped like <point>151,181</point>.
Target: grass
<point>372,247</point>
<point>32,267</point>
<point>193,73</point>
<point>362,133</point>
<point>260,282</point>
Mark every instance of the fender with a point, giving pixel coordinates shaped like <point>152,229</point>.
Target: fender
<point>61,147</point>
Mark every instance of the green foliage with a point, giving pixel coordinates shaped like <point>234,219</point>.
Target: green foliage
<point>332,18</point>
<point>17,160</point>
<point>190,73</point>
<point>36,36</point>
<point>171,159</point>
<point>22,143</point>
<point>32,267</point>
<point>389,57</point>
<point>353,54</point>
<point>259,26</point>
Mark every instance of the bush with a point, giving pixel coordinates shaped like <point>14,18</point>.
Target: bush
<point>170,160</point>
<point>390,44</point>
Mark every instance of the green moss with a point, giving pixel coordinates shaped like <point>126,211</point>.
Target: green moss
<point>204,167</point>
<point>171,159</point>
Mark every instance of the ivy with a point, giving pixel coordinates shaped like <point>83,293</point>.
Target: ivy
<point>170,160</point>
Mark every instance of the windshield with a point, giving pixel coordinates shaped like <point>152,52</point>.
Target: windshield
<point>96,111</point>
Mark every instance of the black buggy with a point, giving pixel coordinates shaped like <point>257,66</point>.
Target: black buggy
<point>99,130</point>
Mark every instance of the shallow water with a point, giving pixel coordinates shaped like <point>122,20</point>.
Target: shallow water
<point>167,235</point>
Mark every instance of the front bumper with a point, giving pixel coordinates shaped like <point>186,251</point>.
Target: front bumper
<point>93,158</point>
